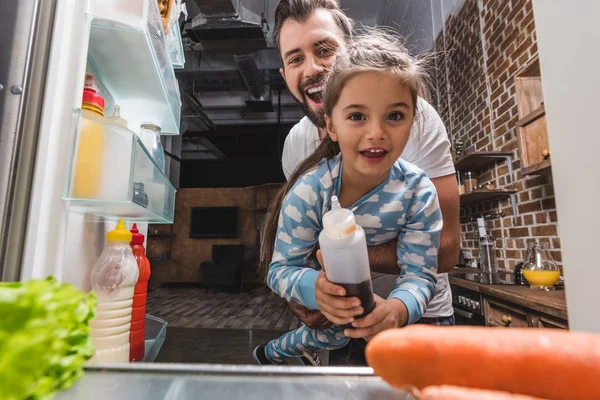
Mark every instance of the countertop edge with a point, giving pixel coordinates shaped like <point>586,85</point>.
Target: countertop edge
<point>498,292</point>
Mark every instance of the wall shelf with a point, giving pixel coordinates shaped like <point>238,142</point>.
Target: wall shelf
<point>478,160</point>
<point>484,195</point>
<point>128,53</point>
<point>113,176</point>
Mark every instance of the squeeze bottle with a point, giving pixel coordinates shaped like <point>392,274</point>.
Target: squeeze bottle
<point>344,249</point>
<point>113,279</point>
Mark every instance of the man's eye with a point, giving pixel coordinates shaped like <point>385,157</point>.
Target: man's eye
<point>396,116</point>
<point>324,52</point>
<point>356,117</point>
<point>294,60</point>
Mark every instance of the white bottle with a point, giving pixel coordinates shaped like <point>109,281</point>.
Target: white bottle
<point>344,249</point>
<point>113,279</point>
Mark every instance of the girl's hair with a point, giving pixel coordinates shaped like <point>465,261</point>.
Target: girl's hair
<point>373,50</point>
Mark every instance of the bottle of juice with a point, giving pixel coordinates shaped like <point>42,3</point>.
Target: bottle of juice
<point>344,249</point>
<point>89,163</point>
<point>138,313</point>
<point>113,279</point>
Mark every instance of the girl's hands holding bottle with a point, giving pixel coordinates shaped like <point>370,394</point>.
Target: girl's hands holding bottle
<point>342,310</point>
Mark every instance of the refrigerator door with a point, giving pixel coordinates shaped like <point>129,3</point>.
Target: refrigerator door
<point>48,249</point>
<point>25,38</point>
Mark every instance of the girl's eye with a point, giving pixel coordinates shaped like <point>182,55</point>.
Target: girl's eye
<point>396,116</point>
<point>356,117</point>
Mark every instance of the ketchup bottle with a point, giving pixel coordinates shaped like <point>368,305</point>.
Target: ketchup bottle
<point>138,313</point>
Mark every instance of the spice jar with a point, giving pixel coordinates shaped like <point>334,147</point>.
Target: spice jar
<point>470,182</point>
<point>461,186</point>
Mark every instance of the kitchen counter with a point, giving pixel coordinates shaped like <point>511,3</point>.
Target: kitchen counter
<point>192,381</point>
<point>551,303</point>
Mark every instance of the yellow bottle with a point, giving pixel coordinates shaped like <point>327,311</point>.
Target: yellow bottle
<point>89,164</point>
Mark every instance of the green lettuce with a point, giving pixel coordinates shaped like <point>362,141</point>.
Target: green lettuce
<point>44,337</point>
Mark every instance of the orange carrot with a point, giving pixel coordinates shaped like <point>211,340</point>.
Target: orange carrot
<point>546,363</point>
<point>460,393</point>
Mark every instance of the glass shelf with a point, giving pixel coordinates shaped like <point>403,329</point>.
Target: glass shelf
<point>175,46</point>
<point>128,53</point>
<point>156,331</point>
<point>114,176</point>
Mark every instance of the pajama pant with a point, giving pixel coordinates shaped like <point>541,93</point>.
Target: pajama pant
<point>305,339</point>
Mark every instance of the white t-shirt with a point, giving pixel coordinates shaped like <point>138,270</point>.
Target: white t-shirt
<point>428,148</point>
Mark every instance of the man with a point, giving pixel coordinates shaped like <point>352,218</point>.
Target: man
<point>308,34</point>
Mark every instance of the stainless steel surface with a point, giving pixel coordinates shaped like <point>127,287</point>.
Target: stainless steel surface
<point>174,368</point>
<point>467,305</point>
<point>25,37</point>
<point>189,381</point>
<point>16,89</point>
<point>463,313</point>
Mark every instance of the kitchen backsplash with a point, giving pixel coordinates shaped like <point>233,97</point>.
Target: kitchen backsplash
<point>481,47</point>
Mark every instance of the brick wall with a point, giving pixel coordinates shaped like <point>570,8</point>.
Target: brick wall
<point>480,49</point>
<point>187,253</point>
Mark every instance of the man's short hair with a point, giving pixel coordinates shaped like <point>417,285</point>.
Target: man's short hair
<point>301,10</point>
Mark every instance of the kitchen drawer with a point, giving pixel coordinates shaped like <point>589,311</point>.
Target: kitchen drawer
<point>549,322</point>
<point>502,314</point>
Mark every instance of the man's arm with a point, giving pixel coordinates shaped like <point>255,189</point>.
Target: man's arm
<point>447,190</point>
<point>383,258</point>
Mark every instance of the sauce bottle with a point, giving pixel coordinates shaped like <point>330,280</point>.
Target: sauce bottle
<point>113,279</point>
<point>89,163</point>
<point>138,313</point>
<point>344,249</point>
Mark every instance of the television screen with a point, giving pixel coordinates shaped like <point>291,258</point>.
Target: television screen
<point>214,222</point>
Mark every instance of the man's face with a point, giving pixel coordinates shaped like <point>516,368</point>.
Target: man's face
<point>308,49</point>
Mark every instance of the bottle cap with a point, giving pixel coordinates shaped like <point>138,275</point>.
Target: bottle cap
<point>90,94</point>
<point>120,233</point>
<point>137,237</point>
<point>116,117</point>
<point>338,222</point>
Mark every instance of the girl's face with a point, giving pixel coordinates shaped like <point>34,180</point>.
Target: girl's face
<point>371,122</point>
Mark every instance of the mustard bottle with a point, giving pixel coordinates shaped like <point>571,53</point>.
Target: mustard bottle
<point>90,152</point>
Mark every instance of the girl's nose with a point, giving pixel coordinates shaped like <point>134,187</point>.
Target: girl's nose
<point>376,130</point>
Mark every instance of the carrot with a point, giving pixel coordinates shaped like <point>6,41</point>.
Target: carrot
<point>546,363</point>
<point>460,393</point>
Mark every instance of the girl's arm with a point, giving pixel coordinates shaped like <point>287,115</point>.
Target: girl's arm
<point>418,244</point>
<point>290,275</point>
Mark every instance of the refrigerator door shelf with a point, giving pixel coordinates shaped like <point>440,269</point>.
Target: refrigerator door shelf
<point>129,53</point>
<point>175,46</point>
<point>156,331</point>
<point>113,176</point>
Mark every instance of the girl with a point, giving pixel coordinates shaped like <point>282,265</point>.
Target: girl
<point>370,101</point>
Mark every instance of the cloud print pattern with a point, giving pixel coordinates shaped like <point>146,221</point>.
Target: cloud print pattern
<point>403,208</point>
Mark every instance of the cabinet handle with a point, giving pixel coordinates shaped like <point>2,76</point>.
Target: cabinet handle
<point>507,319</point>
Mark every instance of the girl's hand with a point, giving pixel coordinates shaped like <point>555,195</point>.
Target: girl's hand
<point>331,301</point>
<point>391,313</point>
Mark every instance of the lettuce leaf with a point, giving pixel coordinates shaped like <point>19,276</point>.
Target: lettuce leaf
<point>44,337</point>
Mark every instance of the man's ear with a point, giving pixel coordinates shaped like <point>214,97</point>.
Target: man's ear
<point>282,72</point>
<point>330,128</point>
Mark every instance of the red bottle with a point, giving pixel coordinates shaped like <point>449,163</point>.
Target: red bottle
<point>138,313</point>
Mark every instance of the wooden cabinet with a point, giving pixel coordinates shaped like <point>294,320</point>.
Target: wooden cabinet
<point>533,133</point>
<point>503,314</point>
<point>498,313</point>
